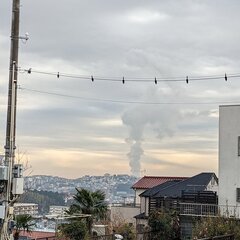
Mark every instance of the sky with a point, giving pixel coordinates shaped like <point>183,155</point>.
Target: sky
<point>72,127</point>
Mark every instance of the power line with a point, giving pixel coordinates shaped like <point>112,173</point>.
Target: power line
<point>124,101</point>
<point>124,79</point>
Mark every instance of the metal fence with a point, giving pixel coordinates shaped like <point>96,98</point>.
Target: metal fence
<point>48,238</point>
<point>224,237</point>
<point>150,235</point>
<point>198,209</point>
<point>143,236</point>
<point>104,237</point>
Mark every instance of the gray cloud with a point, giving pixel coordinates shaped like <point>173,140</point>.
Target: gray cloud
<point>121,38</point>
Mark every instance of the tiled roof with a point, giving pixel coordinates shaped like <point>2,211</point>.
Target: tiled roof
<point>152,191</point>
<point>151,181</point>
<point>37,234</point>
<point>196,183</point>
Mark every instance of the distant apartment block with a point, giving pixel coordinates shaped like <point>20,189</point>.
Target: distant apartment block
<point>57,210</point>
<point>26,208</point>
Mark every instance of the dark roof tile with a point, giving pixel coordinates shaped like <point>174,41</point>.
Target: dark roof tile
<point>195,183</point>
<point>152,191</point>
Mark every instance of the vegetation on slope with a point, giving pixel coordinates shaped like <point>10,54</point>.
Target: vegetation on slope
<point>44,199</point>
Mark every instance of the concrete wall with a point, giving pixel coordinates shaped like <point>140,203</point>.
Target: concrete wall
<point>229,161</point>
<point>147,206</point>
<point>142,204</point>
<point>125,213</point>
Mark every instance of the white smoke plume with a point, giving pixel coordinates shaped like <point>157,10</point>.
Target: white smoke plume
<point>134,158</point>
<point>161,119</point>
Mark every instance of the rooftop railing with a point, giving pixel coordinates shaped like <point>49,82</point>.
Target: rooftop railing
<point>196,209</point>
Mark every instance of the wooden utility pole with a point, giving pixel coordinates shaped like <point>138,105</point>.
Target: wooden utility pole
<point>12,86</point>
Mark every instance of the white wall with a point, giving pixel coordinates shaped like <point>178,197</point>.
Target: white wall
<point>229,161</point>
<point>137,198</point>
<point>142,205</point>
<point>212,186</point>
<point>124,213</point>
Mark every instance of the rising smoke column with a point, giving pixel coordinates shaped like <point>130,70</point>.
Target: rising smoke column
<point>161,119</point>
<point>134,156</point>
<point>136,123</point>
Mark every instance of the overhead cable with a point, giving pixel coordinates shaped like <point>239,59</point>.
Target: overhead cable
<point>124,101</point>
<point>124,79</point>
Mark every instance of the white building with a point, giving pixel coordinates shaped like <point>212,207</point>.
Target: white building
<point>25,208</point>
<point>58,210</point>
<point>229,158</point>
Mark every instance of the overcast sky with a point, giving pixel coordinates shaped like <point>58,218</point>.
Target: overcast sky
<point>71,137</point>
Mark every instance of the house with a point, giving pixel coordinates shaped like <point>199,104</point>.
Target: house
<point>127,212</point>
<point>199,189</point>
<point>148,182</point>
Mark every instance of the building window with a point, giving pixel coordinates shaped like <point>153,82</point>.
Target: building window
<point>238,195</point>
<point>238,145</point>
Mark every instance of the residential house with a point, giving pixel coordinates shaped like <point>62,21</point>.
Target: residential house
<point>127,212</point>
<point>179,195</point>
<point>148,182</point>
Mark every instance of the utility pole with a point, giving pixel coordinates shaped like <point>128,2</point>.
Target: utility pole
<point>11,174</point>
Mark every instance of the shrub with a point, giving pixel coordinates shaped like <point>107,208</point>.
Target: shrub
<point>165,225</point>
<point>216,226</point>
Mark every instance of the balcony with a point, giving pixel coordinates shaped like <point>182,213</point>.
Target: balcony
<point>209,210</point>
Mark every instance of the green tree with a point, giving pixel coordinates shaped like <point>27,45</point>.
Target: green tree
<point>23,223</point>
<point>88,202</point>
<point>75,230</point>
<point>164,225</point>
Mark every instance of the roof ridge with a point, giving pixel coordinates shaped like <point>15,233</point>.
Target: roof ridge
<point>163,177</point>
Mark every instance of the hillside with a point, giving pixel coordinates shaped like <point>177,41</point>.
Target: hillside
<point>44,199</point>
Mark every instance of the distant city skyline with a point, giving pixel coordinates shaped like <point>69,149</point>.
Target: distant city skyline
<point>86,135</point>
<point>117,188</point>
